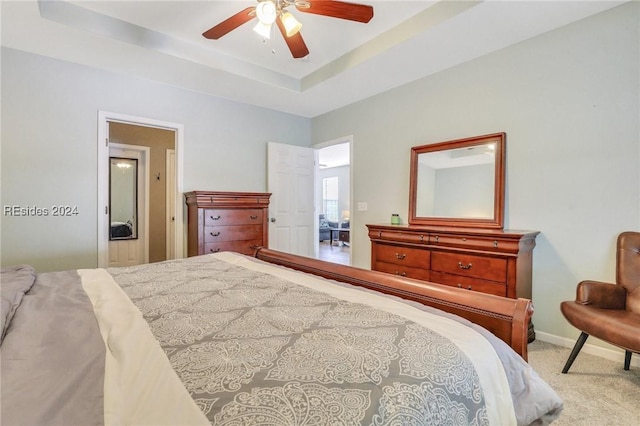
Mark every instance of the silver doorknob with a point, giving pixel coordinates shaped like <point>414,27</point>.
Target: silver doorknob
<point>273,219</point>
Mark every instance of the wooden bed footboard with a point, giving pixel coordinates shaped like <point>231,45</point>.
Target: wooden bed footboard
<point>507,318</point>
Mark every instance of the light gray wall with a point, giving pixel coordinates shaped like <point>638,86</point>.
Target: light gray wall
<point>568,101</point>
<point>462,192</point>
<point>49,149</point>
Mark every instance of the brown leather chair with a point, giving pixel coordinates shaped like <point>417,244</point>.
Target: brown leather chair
<point>610,312</point>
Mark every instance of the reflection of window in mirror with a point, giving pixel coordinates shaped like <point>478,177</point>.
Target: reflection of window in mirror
<point>123,198</point>
<point>457,183</point>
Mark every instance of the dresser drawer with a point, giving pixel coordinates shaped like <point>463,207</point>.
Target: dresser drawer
<point>475,284</point>
<point>474,242</point>
<point>402,270</point>
<point>399,236</point>
<point>245,247</point>
<point>398,255</point>
<point>214,234</point>
<point>485,267</point>
<point>221,217</point>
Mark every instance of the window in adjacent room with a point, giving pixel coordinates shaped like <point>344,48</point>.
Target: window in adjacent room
<point>330,198</point>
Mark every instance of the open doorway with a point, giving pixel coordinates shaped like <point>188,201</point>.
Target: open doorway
<point>333,198</point>
<point>157,142</point>
<point>160,230</point>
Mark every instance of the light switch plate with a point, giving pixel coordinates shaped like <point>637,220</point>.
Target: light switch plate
<point>362,206</point>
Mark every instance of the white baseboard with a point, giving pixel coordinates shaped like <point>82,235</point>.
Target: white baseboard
<point>616,355</point>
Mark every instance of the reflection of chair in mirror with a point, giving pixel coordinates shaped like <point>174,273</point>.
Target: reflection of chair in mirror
<point>610,312</point>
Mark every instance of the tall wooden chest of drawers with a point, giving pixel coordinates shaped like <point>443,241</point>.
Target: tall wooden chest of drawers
<point>226,221</point>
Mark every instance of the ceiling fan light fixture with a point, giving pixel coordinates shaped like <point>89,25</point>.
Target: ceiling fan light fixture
<point>270,11</point>
<point>266,11</point>
<point>263,29</point>
<point>291,24</point>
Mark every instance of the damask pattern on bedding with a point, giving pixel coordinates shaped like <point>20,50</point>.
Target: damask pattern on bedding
<point>254,348</point>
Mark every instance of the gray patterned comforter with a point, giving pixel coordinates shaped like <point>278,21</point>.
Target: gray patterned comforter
<point>252,344</point>
<point>253,348</point>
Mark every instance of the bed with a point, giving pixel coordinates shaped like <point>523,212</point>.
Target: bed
<point>121,230</point>
<point>274,339</point>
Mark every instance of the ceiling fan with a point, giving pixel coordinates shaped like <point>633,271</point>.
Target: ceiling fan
<point>270,11</point>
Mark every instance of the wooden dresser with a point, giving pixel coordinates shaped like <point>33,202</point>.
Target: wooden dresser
<point>490,261</point>
<point>455,234</point>
<point>226,221</point>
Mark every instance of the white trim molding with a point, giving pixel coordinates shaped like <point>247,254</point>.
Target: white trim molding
<point>611,353</point>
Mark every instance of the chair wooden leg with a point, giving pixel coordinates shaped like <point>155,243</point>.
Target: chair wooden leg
<point>627,359</point>
<point>575,351</point>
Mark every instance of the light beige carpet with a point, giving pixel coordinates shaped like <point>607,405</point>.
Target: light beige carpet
<point>596,391</point>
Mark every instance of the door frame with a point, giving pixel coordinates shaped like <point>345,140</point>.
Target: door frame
<point>170,200</point>
<point>104,118</point>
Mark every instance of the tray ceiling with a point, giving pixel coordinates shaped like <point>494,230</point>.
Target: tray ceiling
<point>349,61</point>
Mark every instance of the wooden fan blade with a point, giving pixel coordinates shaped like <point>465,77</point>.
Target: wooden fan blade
<point>296,44</point>
<point>339,9</point>
<point>230,24</point>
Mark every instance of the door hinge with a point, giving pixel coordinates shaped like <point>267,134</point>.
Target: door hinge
<point>106,209</point>
<point>106,141</point>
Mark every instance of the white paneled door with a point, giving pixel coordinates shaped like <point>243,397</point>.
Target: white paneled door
<point>291,171</point>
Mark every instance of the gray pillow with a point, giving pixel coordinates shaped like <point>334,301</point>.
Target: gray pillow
<point>15,282</point>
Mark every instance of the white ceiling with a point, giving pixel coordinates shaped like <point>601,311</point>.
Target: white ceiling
<point>348,61</point>
<point>334,156</point>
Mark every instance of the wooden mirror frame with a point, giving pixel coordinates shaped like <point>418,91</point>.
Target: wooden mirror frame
<point>496,222</point>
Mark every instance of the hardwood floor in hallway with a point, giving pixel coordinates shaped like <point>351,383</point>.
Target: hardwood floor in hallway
<point>335,253</point>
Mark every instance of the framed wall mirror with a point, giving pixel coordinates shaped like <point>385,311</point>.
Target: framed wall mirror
<point>123,198</point>
<point>458,182</point>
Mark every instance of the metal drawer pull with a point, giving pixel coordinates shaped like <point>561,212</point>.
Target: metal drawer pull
<point>465,267</point>
<point>437,238</point>
<point>400,256</point>
<point>402,274</point>
<point>215,218</point>
<point>253,217</point>
<point>495,244</point>
<point>214,235</point>
<point>215,251</point>
<point>460,286</point>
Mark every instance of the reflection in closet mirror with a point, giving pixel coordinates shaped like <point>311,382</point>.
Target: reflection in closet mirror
<point>458,183</point>
<point>123,198</point>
